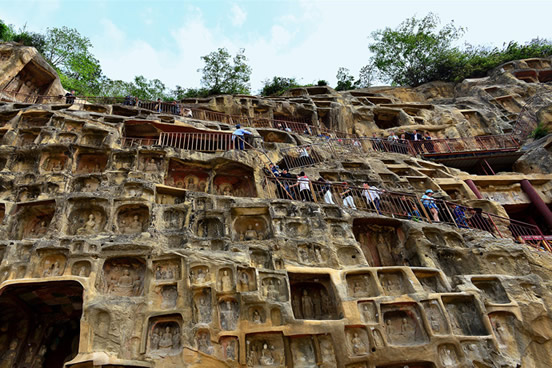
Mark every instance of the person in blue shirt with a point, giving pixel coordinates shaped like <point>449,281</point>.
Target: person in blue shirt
<point>239,136</point>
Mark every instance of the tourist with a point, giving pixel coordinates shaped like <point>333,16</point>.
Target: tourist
<point>303,182</point>
<point>376,142</point>
<point>175,109</point>
<point>392,140</point>
<point>158,105</point>
<point>274,170</point>
<point>403,148</point>
<point>392,137</point>
<point>372,196</point>
<point>430,148</point>
<point>347,196</point>
<point>239,136</point>
<point>459,216</point>
<point>285,179</point>
<point>417,139</point>
<point>70,97</point>
<point>409,208</point>
<point>430,205</point>
<point>304,157</point>
<point>325,190</point>
<point>187,113</point>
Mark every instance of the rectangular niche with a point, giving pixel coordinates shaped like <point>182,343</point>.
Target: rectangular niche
<point>362,284</point>
<point>465,316</point>
<point>492,290</point>
<point>251,223</point>
<point>265,349</point>
<point>90,162</point>
<point>168,195</point>
<point>303,351</point>
<point>274,287</point>
<point>164,335</point>
<point>33,219</point>
<point>123,276</point>
<point>379,239</point>
<point>403,324</point>
<point>431,281</point>
<point>188,175</point>
<point>167,270</point>
<point>87,216</point>
<point>435,317</point>
<point>369,312</point>
<point>313,296</point>
<point>394,282</point>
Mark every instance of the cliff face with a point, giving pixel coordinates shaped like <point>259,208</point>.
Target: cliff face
<point>131,238</point>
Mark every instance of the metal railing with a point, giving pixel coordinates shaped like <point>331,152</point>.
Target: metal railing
<point>304,156</point>
<point>201,142</point>
<point>406,206</point>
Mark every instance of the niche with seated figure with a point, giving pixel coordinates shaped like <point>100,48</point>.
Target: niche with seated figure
<point>88,163</point>
<point>132,219</point>
<point>210,227</point>
<point>380,240</point>
<point>274,288</point>
<point>465,316</point>
<point>123,276</point>
<point>200,275</point>
<point>123,161</point>
<point>394,283</point>
<point>256,315</point>
<point>87,184</point>
<point>403,325</point>
<point>190,176</point>
<point>167,270</point>
<point>312,296</point>
<point>81,268</point>
<point>164,335</point>
<point>234,179</point>
<point>361,285</point>
<point>87,217</point>
<point>251,227</point>
<point>265,349</point>
<point>151,164</point>
<point>51,265</point>
<point>174,218</point>
<point>137,190</point>
<point>312,254</point>
<point>33,219</point>
<point>493,291</point>
<point>357,341</point>
<point>368,311</point>
<point>54,162</point>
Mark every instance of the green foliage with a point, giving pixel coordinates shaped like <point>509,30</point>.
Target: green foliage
<point>223,74</point>
<point>345,81</point>
<point>278,85</point>
<point>322,82</point>
<point>8,33</point>
<point>540,131</point>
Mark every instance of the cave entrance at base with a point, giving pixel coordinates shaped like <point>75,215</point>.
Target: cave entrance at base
<point>40,323</point>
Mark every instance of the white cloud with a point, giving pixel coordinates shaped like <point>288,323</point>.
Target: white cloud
<point>237,15</point>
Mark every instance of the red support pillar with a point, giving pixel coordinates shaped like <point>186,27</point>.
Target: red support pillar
<point>535,199</point>
<point>474,189</point>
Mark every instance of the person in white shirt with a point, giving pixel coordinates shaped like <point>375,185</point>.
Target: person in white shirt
<point>303,182</point>
<point>372,196</point>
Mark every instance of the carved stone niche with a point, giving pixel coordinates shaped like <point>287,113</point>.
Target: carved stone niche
<point>492,289</point>
<point>166,195</point>
<point>256,315</point>
<point>313,296</point>
<point>394,283</point>
<point>87,184</point>
<point>230,347</point>
<point>465,316</point>
<point>137,191</point>
<point>122,161</point>
<point>151,164</point>
<point>357,341</point>
<point>169,296</point>
<point>190,176</point>
<point>123,276</point>
<point>507,333</point>
<point>246,280</point>
<point>431,281</point>
<point>234,179</point>
<point>25,162</point>
<point>228,314</point>
<point>349,256</point>
<point>260,259</point>
<point>53,161</point>
<point>28,192</point>
<point>265,350</point>
<point>203,341</point>
<point>303,351</point>
<point>368,311</point>
<point>132,219</point>
<point>361,285</point>
<point>312,254</point>
<point>94,138</point>
<point>87,217</point>
<point>164,335</point>
<point>51,264</point>
<point>297,229</point>
<point>35,118</point>
<point>200,275</point>
<point>435,317</point>
<point>225,280</point>
<point>379,240</point>
<point>274,288</point>
<point>88,163</point>
<point>403,325</point>
<point>448,355</point>
<point>26,138</point>
<point>174,218</point>
<point>67,138</point>
<point>81,268</point>
<point>210,227</point>
<point>477,350</point>
<point>202,306</point>
<point>167,270</point>
<point>251,224</point>
<point>33,219</point>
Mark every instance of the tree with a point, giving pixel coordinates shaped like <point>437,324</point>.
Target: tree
<point>221,75</point>
<point>345,81</point>
<point>147,89</point>
<point>8,33</point>
<point>278,85</point>
<point>408,54</point>
<point>322,83</point>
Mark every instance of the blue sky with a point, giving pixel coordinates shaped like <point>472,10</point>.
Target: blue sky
<point>306,39</point>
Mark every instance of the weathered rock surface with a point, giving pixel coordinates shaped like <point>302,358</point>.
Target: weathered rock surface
<point>128,253</point>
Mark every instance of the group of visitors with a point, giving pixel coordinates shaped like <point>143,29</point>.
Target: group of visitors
<point>400,144</point>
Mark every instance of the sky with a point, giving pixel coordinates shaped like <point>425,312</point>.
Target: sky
<point>305,39</point>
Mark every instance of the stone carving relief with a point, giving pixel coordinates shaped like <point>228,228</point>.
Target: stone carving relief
<point>265,350</point>
<point>274,289</point>
<point>248,228</point>
<point>123,277</point>
<point>200,275</point>
<point>54,163</point>
<point>403,325</point>
<point>164,338</point>
<point>230,348</point>
<point>357,341</point>
<point>311,254</point>
<point>431,282</point>
<point>169,295</point>
<point>368,312</point>
<point>132,219</point>
<point>246,280</point>
<point>210,228</point>
<point>257,315</point>
<point>89,163</point>
<point>327,352</point>
<point>394,283</point>
<point>166,270</point>
<point>228,311</point>
<point>260,259</point>
<point>174,219</point>
<point>203,342</point>
<point>361,285</point>
<point>448,355</point>
<point>202,306</point>
<point>53,265</point>
<point>225,280</point>
<point>302,352</point>
<point>506,332</point>
<point>493,291</point>
<point>81,268</point>
<point>312,301</point>
<point>87,221</point>
<point>435,317</point>
<point>465,317</point>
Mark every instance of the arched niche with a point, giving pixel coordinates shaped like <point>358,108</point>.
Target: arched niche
<point>164,335</point>
<point>187,175</point>
<point>81,268</point>
<point>123,276</point>
<point>202,305</point>
<point>87,218</point>
<point>228,314</point>
<point>274,289</point>
<point>252,227</point>
<point>234,179</point>
<point>51,264</point>
<point>150,163</point>
<point>132,218</point>
<point>33,220</point>
<point>200,275</point>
